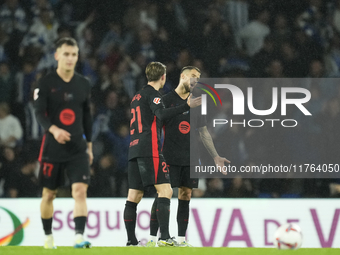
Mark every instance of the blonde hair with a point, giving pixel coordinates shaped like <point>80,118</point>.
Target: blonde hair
<point>154,71</point>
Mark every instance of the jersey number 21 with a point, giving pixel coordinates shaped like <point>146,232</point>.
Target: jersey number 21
<point>139,120</point>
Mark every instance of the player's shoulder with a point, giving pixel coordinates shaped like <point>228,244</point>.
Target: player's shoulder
<point>140,95</point>
<point>170,95</point>
<point>146,94</point>
<point>82,82</point>
<point>149,92</point>
<point>47,79</point>
<point>50,75</point>
<point>82,78</point>
<point>154,96</point>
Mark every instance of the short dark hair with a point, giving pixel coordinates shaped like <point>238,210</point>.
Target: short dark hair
<point>190,68</point>
<point>154,71</point>
<point>66,40</point>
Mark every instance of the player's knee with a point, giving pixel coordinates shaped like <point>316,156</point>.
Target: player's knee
<point>139,197</point>
<point>79,195</point>
<point>184,194</point>
<point>79,192</point>
<point>48,196</point>
<point>135,196</point>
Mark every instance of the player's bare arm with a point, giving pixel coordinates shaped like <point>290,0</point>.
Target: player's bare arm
<point>209,145</point>
<point>89,152</point>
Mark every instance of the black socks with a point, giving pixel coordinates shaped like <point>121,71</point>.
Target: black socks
<point>47,225</point>
<point>80,223</point>
<point>163,216</point>
<point>130,215</point>
<point>153,219</point>
<point>182,216</point>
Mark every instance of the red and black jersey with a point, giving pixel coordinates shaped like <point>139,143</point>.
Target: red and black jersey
<point>147,115</point>
<point>176,147</point>
<point>66,105</point>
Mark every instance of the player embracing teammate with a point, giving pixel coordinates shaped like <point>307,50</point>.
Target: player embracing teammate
<point>147,166</point>
<point>176,150</point>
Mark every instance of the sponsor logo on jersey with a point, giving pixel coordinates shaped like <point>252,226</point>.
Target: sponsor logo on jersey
<point>68,97</point>
<point>184,127</point>
<point>67,117</point>
<point>156,100</point>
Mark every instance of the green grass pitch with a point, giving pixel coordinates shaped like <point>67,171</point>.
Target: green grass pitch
<point>15,250</point>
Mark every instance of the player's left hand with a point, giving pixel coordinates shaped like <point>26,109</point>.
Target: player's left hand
<point>90,153</point>
<point>219,161</point>
<point>194,102</point>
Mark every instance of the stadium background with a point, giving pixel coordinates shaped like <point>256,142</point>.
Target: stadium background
<point>234,38</point>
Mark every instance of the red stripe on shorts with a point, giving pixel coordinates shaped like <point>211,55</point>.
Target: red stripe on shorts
<point>42,148</point>
<point>155,153</point>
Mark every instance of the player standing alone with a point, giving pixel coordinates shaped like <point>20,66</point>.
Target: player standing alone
<point>62,109</point>
<point>146,165</point>
<point>176,150</point>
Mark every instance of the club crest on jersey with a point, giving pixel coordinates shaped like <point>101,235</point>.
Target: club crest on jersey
<point>68,97</point>
<point>157,100</point>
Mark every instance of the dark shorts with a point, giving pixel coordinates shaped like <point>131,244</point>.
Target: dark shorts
<point>52,175</point>
<point>180,177</point>
<point>144,172</point>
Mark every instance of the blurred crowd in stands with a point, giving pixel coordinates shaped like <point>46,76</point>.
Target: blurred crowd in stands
<point>117,39</point>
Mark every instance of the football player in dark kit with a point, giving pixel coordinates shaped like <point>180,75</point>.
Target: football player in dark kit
<point>62,109</point>
<point>176,150</point>
<point>146,166</point>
